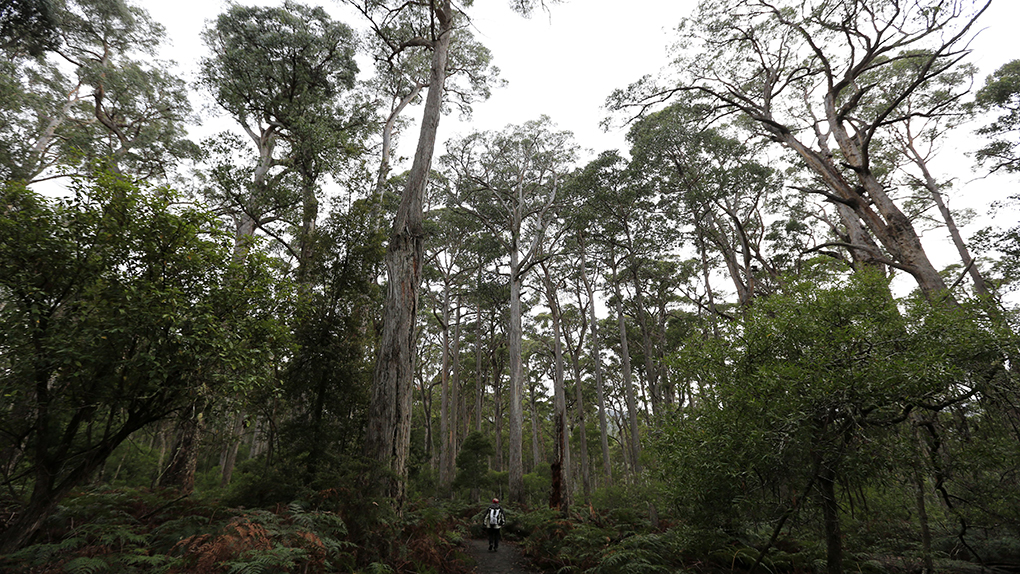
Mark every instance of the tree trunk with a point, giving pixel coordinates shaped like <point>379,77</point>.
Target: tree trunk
<point>384,162</point>
<point>456,434</point>
<point>880,215</point>
<point>980,287</point>
<point>233,444</point>
<point>596,352</point>
<point>830,516</point>
<point>497,397</point>
<point>514,336</point>
<point>388,435</point>
<point>560,423</point>
<point>180,474</point>
<point>536,429</point>
<point>628,385</point>
<point>53,482</point>
<point>922,510</point>
<point>479,377</point>
<point>445,446</point>
<point>651,372</point>
<point>575,365</point>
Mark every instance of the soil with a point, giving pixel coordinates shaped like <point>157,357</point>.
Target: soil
<point>508,560</point>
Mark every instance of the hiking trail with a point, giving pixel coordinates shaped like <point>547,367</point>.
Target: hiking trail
<point>508,560</point>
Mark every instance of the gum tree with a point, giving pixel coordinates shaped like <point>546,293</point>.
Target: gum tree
<point>92,95</point>
<point>800,71</point>
<point>509,181</point>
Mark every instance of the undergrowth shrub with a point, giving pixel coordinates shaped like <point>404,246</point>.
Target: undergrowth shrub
<point>602,546</point>
<point>432,533</point>
<point>290,539</point>
<point>141,531</point>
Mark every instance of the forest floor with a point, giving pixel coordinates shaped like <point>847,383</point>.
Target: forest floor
<point>508,560</point>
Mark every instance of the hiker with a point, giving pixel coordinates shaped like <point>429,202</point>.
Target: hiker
<point>494,520</point>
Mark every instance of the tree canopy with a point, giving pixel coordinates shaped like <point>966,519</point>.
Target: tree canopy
<point>768,332</point>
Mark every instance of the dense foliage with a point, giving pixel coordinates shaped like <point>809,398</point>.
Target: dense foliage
<point>734,345</point>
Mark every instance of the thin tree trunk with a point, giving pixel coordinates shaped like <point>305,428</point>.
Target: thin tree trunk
<point>479,377</point>
<point>455,430</point>
<point>536,431</point>
<point>514,336</point>
<point>830,516</point>
<point>497,395</point>
<point>445,447</point>
<point>230,460</point>
<point>596,352</point>
<point>180,473</point>
<point>651,373</point>
<point>384,162</point>
<point>922,510</point>
<point>628,385</point>
<point>560,423</point>
<point>980,287</point>
<point>575,364</point>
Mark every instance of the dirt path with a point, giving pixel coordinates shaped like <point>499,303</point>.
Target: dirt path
<point>508,560</point>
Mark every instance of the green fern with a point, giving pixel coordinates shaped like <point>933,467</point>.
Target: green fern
<point>86,565</point>
<point>267,561</point>
<point>39,554</point>
<point>379,568</point>
<point>640,553</point>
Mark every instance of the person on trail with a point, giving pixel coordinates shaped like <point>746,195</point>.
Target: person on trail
<point>494,520</point>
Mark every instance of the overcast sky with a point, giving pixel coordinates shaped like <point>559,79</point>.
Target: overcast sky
<point>565,62</point>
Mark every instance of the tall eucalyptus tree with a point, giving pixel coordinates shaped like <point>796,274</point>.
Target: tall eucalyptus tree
<point>118,109</point>
<point>930,113</point>
<point>509,182</point>
<point>279,72</point>
<point>718,185</point>
<point>432,29</point>
<point>800,72</point>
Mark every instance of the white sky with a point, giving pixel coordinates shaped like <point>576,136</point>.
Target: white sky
<point>565,62</point>
<point>562,63</point>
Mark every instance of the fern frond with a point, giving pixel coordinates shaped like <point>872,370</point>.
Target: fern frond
<point>86,565</point>
<point>379,568</point>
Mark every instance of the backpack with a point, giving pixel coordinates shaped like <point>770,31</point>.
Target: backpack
<point>494,518</point>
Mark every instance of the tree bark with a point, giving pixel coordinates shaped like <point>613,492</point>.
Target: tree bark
<point>445,446</point>
<point>514,336</point>
<point>596,352</point>
<point>980,287</point>
<point>456,434</point>
<point>830,516</point>
<point>879,213</point>
<point>560,422</point>
<point>180,473</point>
<point>536,429</point>
<point>231,448</point>
<point>651,372</point>
<point>628,384</point>
<point>479,377</point>
<point>388,435</point>
<point>575,364</point>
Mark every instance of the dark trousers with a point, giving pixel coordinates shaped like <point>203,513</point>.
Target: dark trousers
<point>493,538</point>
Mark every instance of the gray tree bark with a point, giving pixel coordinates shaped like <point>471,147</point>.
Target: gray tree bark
<point>560,421</point>
<point>388,436</point>
<point>628,384</point>
<point>596,352</point>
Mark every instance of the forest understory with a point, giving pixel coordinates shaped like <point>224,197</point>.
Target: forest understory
<point>775,332</point>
